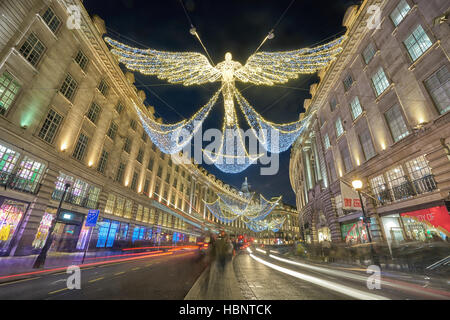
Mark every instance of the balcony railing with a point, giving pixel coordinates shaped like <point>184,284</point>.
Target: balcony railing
<point>84,202</point>
<point>405,190</point>
<point>15,182</point>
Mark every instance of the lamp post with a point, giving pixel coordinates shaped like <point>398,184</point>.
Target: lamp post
<point>357,185</point>
<point>40,260</point>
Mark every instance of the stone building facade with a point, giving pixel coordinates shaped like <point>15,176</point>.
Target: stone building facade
<point>67,116</point>
<point>380,115</point>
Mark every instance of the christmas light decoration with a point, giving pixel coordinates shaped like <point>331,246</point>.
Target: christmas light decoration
<point>227,209</point>
<point>190,68</point>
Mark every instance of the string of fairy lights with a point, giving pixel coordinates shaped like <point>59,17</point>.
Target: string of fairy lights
<point>191,68</point>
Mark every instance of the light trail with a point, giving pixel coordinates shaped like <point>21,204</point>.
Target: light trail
<point>384,282</point>
<point>348,291</point>
<point>84,265</point>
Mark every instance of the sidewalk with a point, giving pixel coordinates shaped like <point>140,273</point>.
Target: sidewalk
<point>217,282</point>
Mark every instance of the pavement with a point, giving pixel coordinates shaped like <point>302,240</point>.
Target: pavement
<point>275,277</point>
<point>161,276</point>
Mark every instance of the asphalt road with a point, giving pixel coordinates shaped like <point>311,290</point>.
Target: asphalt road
<point>269,277</point>
<point>154,278</point>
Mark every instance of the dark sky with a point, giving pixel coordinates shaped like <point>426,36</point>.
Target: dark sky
<point>237,26</point>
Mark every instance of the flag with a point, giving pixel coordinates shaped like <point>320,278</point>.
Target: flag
<point>350,198</point>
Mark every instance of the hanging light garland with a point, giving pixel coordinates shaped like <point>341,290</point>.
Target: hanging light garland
<point>191,68</point>
<point>226,209</point>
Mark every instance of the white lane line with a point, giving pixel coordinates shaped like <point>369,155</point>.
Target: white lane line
<point>354,293</point>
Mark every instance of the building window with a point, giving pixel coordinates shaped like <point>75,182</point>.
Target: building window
<point>369,53</point>
<point>153,147</point>
<point>127,145</point>
<point>120,172</point>
<point>348,81</point>
<point>418,168</point>
<point>167,177</point>
<point>103,87</point>
<point>417,43</point>
<point>140,155</point>
<point>81,60</point>
<point>380,82</point>
<point>400,12</point>
<point>119,108</point>
<point>146,186</point>
<point>366,143</point>
<point>151,161</point>
<point>94,112</point>
<point>380,190</point>
<point>134,181</point>
<point>175,182</point>
<point>112,131</point>
<point>396,123</point>
<point>438,85</point>
<point>139,213</point>
<point>339,127</point>
<point>356,108</point>
<point>133,124</point>
<point>81,146</point>
<point>398,183</point>
<point>50,126</point>
<point>103,161</point>
<point>144,136</point>
<point>326,142</point>
<point>29,175</point>
<point>8,160</point>
<point>333,104</point>
<point>51,20</point>
<point>69,87</point>
<point>345,153</point>
<point>159,173</point>
<point>9,89</point>
<point>128,209</point>
<point>32,49</point>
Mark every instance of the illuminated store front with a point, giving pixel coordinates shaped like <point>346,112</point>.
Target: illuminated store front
<point>431,224</point>
<point>109,231</point>
<point>354,232</point>
<point>11,215</point>
<point>324,234</point>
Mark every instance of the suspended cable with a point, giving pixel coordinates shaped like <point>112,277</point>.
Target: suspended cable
<point>194,32</point>
<point>271,34</point>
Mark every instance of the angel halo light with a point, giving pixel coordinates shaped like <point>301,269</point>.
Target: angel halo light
<point>190,68</point>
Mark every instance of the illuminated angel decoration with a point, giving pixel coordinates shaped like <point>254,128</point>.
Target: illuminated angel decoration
<point>262,68</point>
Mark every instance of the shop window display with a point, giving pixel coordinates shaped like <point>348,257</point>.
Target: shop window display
<point>11,214</point>
<point>8,160</point>
<point>43,228</point>
<point>354,233</point>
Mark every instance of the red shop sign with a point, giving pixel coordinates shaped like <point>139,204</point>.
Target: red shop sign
<point>438,217</point>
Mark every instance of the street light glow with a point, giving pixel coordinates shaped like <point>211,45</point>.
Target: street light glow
<point>357,184</point>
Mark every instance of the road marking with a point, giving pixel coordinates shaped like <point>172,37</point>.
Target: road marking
<point>119,273</point>
<point>134,269</point>
<point>148,265</point>
<point>14,282</point>
<point>60,290</point>
<point>95,280</point>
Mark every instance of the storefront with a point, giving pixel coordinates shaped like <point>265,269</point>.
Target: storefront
<point>110,231</point>
<point>324,234</point>
<point>12,213</point>
<point>66,233</point>
<point>430,224</point>
<point>354,232</point>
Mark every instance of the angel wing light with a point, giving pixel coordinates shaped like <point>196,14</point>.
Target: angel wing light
<point>190,68</point>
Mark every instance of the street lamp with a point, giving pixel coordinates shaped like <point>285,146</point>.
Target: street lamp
<point>40,260</point>
<point>357,185</point>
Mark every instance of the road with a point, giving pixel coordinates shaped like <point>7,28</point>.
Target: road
<point>154,278</point>
<point>273,277</point>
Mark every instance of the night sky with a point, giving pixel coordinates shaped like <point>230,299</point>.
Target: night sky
<point>237,26</point>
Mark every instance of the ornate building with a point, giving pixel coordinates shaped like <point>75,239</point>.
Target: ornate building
<point>66,116</point>
<point>381,115</point>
